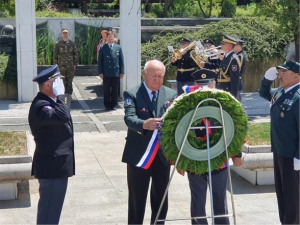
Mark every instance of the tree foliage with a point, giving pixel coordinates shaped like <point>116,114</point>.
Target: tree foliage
<point>286,13</point>
<point>7,8</point>
<point>262,39</point>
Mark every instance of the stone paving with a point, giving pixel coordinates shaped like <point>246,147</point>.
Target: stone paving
<point>98,192</point>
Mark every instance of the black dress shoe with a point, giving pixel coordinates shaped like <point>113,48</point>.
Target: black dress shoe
<point>107,109</point>
<point>113,108</point>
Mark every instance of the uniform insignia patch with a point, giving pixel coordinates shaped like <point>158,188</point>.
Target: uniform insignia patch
<point>234,68</point>
<point>47,107</point>
<point>128,101</point>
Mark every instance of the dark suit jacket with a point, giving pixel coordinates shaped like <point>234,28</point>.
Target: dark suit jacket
<point>111,61</point>
<point>138,108</point>
<point>52,128</point>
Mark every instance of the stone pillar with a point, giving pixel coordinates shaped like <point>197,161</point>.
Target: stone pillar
<point>130,39</point>
<point>26,49</point>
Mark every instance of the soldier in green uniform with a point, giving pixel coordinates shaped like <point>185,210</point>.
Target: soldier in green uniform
<point>284,112</point>
<point>66,56</point>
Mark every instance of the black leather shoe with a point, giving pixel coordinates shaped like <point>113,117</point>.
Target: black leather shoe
<point>107,109</point>
<point>113,108</point>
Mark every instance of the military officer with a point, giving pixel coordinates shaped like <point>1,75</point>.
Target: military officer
<point>52,128</point>
<point>205,78</point>
<point>186,66</point>
<point>111,70</point>
<point>229,70</point>
<point>285,133</point>
<point>238,50</point>
<point>66,56</point>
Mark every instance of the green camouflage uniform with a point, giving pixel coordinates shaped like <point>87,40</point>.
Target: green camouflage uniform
<point>66,56</point>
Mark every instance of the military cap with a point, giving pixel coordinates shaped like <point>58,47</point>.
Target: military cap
<point>208,42</point>
<point>240,41</point>
<point>290,65</point>
<point>204,76</point>
<point>184,40</point>
<point>64,30</point>
<point>229,39</point>
<point>47,74</point>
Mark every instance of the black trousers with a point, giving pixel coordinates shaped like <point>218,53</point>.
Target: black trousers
<point>52,196</point>
<point>287,189</point>
<point>198,185</point>
<point>138,180</point>
<point>111,86</point>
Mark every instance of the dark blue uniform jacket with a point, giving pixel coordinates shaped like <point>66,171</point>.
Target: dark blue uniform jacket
<point>284,119</point>
<point>52,128</point>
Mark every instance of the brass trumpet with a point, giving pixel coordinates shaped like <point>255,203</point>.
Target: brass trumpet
<point>179,53</point>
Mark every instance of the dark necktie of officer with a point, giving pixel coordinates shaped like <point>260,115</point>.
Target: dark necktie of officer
<point>110,47</point>
<point>154,100</point>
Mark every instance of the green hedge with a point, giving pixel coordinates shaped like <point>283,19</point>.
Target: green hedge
<point>262,41</point>
<point>8,69</point>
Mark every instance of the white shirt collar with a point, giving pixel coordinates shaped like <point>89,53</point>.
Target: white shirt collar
<point>228,53</point>
<point>149,91</point>
<point>290,88</point>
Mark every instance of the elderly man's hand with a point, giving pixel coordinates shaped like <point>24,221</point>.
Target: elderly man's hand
<point>237,162</point>
<point>58,87</point>
<point>151,123</point>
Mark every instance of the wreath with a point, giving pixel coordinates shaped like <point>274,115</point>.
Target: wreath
<point>186,104</point>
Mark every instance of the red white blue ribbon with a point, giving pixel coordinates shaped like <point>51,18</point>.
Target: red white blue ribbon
<point>151,152</point>
<point>188,88</point>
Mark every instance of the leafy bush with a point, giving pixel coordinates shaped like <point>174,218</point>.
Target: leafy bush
<point>44,46</point>
<point>262,41</point>
<point>8,69</point>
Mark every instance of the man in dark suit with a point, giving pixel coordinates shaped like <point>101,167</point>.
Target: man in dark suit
<point>285,133</point>
<point>229,71</point>
<point>52,128</point>
<point>144,106</point>
<point>111,70</point>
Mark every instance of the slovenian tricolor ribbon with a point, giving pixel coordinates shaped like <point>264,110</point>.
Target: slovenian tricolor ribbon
<point>190,88</point>
<point>151,151</point>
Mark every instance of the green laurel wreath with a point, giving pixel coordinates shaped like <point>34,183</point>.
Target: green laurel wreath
<point>181,106</point>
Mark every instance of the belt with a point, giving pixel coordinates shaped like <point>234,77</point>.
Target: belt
<point>185,70</point>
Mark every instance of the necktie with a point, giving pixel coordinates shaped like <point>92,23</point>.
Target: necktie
<point>154,100</point>
<point>110,46</point>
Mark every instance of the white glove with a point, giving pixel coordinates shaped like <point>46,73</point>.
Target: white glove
<point>271,73</point>
<point>296,164</point>
<point>58,87</point>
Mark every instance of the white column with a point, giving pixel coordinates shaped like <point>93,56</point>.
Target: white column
<point>130,38</point>
<point>26,49</point>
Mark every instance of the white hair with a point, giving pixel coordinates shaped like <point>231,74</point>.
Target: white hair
<point>155,62</point>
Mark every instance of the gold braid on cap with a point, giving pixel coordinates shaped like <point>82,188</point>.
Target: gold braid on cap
<point>229,41</point>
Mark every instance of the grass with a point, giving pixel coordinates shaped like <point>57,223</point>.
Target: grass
<point>13,143</point>
<point>258,134</point>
